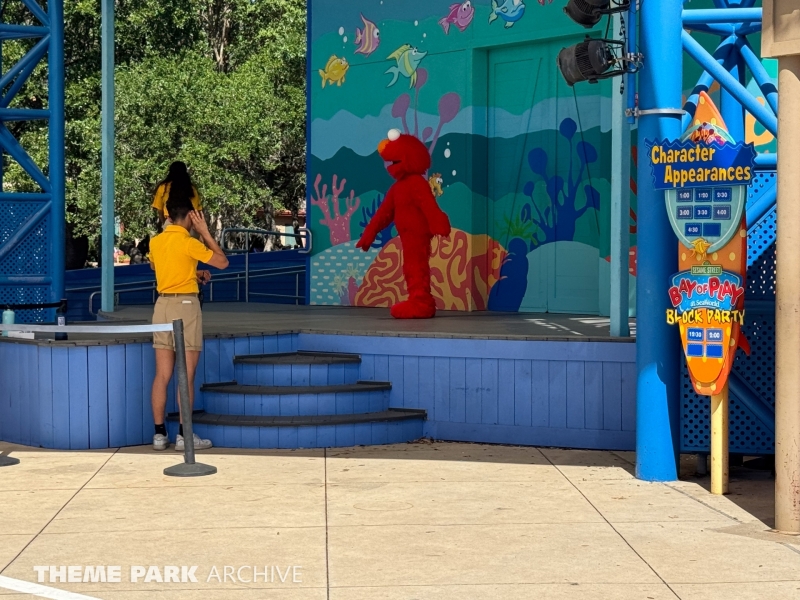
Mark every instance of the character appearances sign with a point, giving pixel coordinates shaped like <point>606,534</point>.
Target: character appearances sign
<point>705,177</point>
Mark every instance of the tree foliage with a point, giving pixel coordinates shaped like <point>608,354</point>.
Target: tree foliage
<point>219,84</point>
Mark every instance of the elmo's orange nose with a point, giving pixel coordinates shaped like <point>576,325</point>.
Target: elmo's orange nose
<point>382,145</point>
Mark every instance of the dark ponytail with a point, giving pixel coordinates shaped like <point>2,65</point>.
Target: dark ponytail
<point>181,190</point>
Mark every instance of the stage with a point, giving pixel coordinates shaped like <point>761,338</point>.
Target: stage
<point>235,319</point>
<point>275,376</point>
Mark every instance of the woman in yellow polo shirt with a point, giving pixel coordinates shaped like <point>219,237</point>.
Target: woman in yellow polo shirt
<point>179,175</point>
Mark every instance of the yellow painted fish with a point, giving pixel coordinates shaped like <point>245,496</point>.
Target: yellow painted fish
<point>435,181</point>
<point>335,71</point>
<point>408,60</point>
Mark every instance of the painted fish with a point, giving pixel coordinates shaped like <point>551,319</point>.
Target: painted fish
<point>408,60</point>
<point>435,181</point>
<point>510,11</point>
<point>367,39</point>
<point>335,71</point>
<point>460,15</point>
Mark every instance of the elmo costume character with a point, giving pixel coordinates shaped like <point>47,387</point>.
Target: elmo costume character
<point>412,206</point>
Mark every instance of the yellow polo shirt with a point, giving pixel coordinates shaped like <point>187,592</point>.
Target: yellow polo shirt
<point>174,255</point>
<point>162,195</point>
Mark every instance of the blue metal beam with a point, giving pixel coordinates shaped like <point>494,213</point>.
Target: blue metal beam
<point>21,78</point>
<point>26,64</point>
<point>20,32</point>
<point>731,110</point>
<point>760,74</point>
<point>722,53</point>
<point>23,114</point>
<point>729,83</point>
<point>18,153</point>
<point>37,11</point>
<point>23,197</point>
<point>720,15</point>
<point>720,29</point>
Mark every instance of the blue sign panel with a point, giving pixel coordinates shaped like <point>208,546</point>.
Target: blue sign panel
<point>695,164</point>
<point>702,212</point>
<point>694,350</point>
<point>695,334</point>
<point>722,213</point>
<point>710,178</point>
<point>714,351</point>
<point>723,194</point>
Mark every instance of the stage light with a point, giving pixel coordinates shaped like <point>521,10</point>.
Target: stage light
<point>587,12</point>
<point>589,61</point>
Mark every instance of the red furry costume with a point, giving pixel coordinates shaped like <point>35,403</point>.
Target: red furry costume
<point>412,206</point>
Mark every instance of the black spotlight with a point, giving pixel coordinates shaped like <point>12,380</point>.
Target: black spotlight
<point>587,12</point>
<point>588,61</point>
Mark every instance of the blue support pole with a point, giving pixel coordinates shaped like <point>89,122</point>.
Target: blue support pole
<point>657,347</point>
<point>55,100</point>
<point>107,176</point>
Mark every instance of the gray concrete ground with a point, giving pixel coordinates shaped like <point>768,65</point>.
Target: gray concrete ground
<point>421,521</point>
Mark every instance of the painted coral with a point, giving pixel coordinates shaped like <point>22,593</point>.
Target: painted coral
<point>338,224</point>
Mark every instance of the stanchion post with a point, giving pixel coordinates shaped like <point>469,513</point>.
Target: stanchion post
<point>189,468</point>
<point>719,442</point>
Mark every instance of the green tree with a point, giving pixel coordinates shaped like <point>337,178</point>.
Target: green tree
<point>218,84</point>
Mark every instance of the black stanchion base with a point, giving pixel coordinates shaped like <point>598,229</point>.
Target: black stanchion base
<point>187,470</point>
<point>7,461</point>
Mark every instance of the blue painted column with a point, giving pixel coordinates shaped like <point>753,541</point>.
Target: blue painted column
<point>107,176</point>
<point>658,346</point>
<point>55,83</point>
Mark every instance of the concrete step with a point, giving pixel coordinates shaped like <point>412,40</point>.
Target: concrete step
<point>290,401</point>
<point>314,431</point>
<point>297,368</point>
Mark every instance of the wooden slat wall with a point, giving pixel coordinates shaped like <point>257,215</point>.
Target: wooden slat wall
<point>577,394</point>
<point>81,397</point>
<point>574,394</point>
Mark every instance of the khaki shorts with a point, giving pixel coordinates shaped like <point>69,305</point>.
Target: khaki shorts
<point>169,308</point>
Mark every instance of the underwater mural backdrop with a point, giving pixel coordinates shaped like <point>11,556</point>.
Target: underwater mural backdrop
<point>520,161</point>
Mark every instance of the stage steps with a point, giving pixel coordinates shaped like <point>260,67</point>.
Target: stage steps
<point>301,400</point>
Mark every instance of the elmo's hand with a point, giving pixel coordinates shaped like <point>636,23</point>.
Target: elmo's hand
<point>366,241</point>
<point>441,226</point>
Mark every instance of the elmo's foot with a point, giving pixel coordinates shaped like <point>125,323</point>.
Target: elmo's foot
<point>413,309</point>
